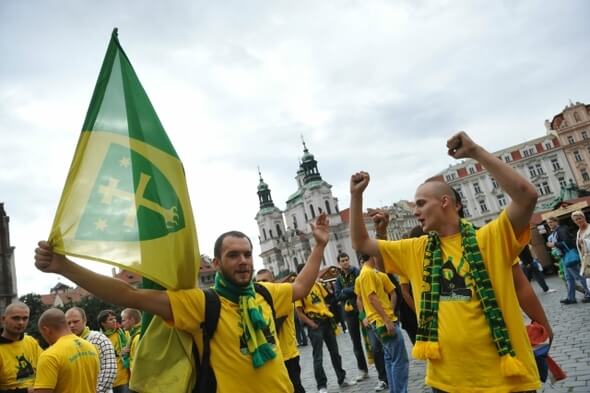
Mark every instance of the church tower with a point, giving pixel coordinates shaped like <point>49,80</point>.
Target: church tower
<point>271,228</point>
<point>8,291</point>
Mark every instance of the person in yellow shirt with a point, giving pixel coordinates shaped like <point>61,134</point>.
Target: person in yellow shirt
<point>19,352</point>
<point>244,355</point>
<point>131,322</point>
<point>109,326</point>
<point>377,299</point>
<point>470,328</point>
<point>287,339</point>
<point>313,311</point>
<point>70,364</point>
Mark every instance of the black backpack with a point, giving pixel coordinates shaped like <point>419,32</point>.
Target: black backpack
<point>206,381</point>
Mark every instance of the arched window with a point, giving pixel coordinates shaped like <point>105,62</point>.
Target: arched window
<point>270,232</point>
<point>264,233</point>
<point>312,211</point>
<point>279,232</point>
<point>328,209</point>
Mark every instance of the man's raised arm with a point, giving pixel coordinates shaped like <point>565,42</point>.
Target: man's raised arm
<point>521,191</point>
<point>109,289</point>
<point>358,231</point>
<point>308,275</point>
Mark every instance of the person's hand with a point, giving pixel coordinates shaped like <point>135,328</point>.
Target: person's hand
<point>390,326</point>
<point>125,351</point>
<point>366,322</point>
<point>550,244</point>
<point>313,325</point>
<point>359,182</point>
<point>321,229</point>
<point>460,145</point>
<point>48,261</point>
<point>380,219</point>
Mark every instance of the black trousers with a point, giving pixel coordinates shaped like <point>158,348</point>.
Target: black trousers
<point>354,329</point>
<point>294,371</point>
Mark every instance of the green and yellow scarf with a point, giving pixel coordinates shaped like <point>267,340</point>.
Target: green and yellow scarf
<point>427,345</point>
<point>119,344</point>
<point>252,318</point>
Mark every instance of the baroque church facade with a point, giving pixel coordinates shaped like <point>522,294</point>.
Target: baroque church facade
<point>285,236</point>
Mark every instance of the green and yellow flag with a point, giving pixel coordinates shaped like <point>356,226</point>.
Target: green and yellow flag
<point>125,203</point>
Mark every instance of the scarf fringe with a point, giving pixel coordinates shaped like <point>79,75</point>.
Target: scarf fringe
<point>511,366</point>
<point>262,354</point>
<point>426,350</point>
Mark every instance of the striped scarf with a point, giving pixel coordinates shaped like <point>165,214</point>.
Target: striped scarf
<point>118,344</point>
<point>252,317</point>
<point>427,345</point>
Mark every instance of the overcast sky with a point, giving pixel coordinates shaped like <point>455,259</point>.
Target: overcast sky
<point>373,85</point>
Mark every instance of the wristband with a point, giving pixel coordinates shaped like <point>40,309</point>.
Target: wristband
<point>362,315</point>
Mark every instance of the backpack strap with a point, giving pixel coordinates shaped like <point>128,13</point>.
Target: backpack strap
<point>206,381</point>
<point>263,291</point>
<point>398,294</point>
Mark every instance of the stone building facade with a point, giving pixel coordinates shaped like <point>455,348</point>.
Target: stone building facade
<point>8,290</point>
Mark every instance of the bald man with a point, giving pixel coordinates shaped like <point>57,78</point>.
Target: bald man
<point>70,364</point>
<point>18,352</point>
<point>470,330</point>
<point>76,319</point>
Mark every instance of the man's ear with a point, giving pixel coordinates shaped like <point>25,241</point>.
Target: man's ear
<point>216,264</point>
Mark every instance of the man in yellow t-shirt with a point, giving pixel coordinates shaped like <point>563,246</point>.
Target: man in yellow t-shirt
<point>131,322</point>
<point>109,326</point>
<point>287,339</point>
<point>377,297</point>
<point>18,351</point>
<point>240,364</point>
<point>470,329</point>
<point>71,364</point>
<point>313,311</point>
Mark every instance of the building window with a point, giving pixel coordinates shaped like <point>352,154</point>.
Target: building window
<point>460,192</point>
<point>306,218</point>
<point>501,200</point>
<point>570,139</point>
<point>584,134</point>
<point>279,232</point>
<point>543,188</point>
<point>507,158</point>
<point>476,188</point>
<point>312,211</point>
<point>577,117</point>
<point>494,184</point>
<point>264,233</point>
<point>532,172</point>
<point>562,181</point>
<point>328,209</point>
<point>555,164</point>
<point>471,170</point>
<point>466,211</point>
<point>539,169</point>
<point>294,222</point>
<point>270,233</point>
<point>548,145</point>
<point>483,207</point>
<point>584,174</point>
<point>577,155</point>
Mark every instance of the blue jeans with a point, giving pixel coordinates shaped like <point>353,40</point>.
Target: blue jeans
<point>325,334</point>
<point>572,273</point>
<point>396,362</point>
<point>378,355</point>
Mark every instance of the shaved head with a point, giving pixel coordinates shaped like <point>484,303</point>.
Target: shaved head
<point>438,189</point>
<point>16,305</point>
<point>53,318</point>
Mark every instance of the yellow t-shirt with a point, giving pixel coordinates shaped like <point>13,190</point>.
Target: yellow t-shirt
<point>287,339</point>
<point>18,362</point>
<point>69,365</point>
<point>314,302</point>
<point>122,377</point>
<point>133,351</point>
<point>230,359</point>
<point>373,281</point>
<point>470,362</point>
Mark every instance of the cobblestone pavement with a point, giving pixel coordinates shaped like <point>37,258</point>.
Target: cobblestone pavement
<point>571,350</point>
